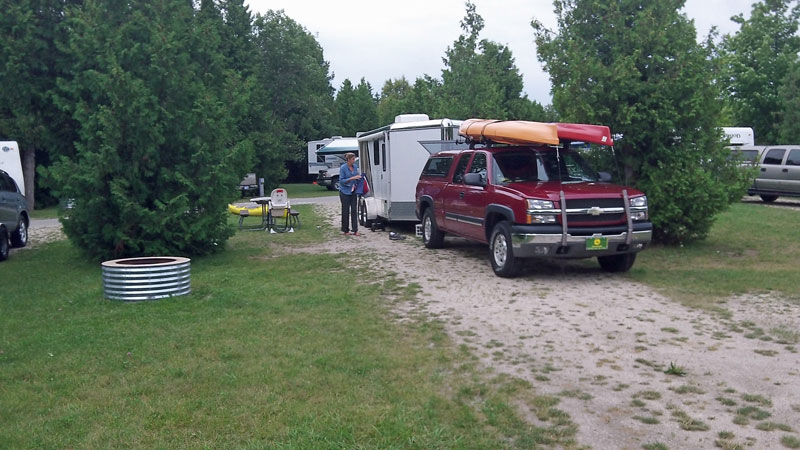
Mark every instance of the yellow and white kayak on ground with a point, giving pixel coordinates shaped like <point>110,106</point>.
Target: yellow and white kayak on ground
<point>251,211</point>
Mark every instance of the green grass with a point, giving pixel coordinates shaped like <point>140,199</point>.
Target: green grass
<point>45,213</point>
<point>272,349</point>
<point>751,248</point>
<point>790,441</point>
<point>305,190</point>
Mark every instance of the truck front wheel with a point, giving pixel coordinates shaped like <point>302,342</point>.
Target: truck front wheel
<point>501,252</point>
<point>617,263</point>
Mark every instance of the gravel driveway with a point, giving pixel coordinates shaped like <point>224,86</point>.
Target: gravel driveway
<point>603,343</point>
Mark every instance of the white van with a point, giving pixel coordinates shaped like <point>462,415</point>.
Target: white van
<point>11,163</point>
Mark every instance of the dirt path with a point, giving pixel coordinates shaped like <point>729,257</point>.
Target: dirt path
<point>603,343</point>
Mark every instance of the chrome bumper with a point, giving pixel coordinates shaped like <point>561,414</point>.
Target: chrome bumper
<point>554,245</point>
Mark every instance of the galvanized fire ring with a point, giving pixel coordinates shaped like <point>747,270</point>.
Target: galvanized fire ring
<point>146,278</point>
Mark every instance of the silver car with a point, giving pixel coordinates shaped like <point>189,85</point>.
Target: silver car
<point>14,219</point>
<point>778,173</point>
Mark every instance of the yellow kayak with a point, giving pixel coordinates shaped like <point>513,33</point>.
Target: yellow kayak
<point>237,210</point>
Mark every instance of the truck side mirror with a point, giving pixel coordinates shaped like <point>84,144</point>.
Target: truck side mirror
<point>473,179</point>
<point>604,176</point>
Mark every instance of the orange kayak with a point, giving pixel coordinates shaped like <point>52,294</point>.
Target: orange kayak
<point>513,132</point>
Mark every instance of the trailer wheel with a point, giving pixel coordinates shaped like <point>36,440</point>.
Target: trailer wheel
<point>362,213</point>
<point>617,263</point>
<point>432,237</point>
<point>501,253</point>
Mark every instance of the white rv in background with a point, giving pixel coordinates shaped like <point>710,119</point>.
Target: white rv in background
<point>315,163</point>
<point>392,157</point>
<point>739,135</point>
<point>11,163</point>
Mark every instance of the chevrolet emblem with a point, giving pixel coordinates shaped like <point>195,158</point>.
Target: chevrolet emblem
<point>595,211</point>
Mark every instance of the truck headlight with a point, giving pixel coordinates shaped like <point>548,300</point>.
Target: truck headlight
<point>639,202</point>
<point>638,208</point>
<point>534,204</point>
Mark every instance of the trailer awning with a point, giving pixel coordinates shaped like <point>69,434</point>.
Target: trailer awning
<point>339,147</point>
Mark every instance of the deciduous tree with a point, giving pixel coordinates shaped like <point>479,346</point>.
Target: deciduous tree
<point>636,67</point>
<point>757,59</point>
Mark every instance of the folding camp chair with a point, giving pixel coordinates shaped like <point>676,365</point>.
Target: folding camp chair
<point>280,211</point>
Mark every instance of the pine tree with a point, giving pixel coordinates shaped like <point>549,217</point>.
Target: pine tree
<point>157,153</point>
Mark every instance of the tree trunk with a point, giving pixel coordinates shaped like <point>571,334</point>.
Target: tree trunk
<point>28,172</point>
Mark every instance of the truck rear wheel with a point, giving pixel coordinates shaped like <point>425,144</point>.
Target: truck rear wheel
<point>617,263</point>
<point>432,237</point>
<point>501,252</point>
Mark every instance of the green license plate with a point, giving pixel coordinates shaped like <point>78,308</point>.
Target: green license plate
<point>597,243</point>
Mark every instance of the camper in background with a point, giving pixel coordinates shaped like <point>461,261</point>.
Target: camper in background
<point>738,136</point>
<point>332,155</point>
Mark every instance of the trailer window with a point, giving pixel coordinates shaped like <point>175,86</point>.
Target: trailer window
<point>383,154</point>
<point>438,167</point>
<point>320,158</point>
<point>376,153</point>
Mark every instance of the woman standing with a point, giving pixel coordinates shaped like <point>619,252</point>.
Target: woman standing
<point>348,180</point>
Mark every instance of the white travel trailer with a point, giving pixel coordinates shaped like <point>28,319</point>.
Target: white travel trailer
<point>315,163</point>
<point>392,157</point>
<point>739,136</point>
<point>10,162</point>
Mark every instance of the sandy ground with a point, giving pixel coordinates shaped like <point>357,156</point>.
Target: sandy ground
<point>601,342</point>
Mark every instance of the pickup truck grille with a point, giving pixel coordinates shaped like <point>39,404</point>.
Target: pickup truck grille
<point>600,202</point>
<point>591,220</point>
<point>588,219</point>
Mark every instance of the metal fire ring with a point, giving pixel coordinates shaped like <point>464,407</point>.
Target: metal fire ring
<point>147,278</point>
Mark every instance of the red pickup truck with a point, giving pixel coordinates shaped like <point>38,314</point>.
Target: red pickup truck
<point>536,200</point>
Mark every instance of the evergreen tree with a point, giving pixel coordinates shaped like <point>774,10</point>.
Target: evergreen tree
<point>157,153</point>
<point>356,108</point>
<point>757,58</point>
<point>636,67</point>
<point>30,64</point>
<point>468,89</point>
<point>395,99</point>
<point>426,97</point>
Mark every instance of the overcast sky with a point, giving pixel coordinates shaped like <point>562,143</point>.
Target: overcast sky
<point>379,40</point>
